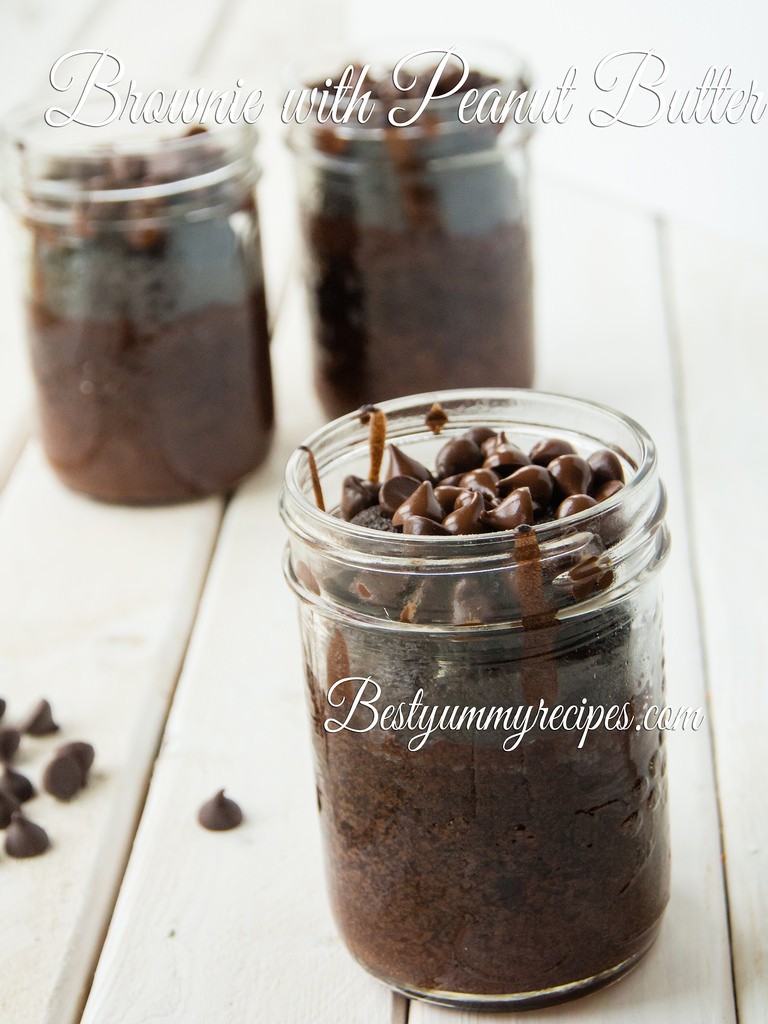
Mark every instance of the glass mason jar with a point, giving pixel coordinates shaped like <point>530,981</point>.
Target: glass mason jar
<point>417,240</point>
<point>145,306</point>
<point>488,867</point>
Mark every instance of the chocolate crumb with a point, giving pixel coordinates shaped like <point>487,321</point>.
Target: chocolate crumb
<point>63,777</point>
<point>219,814</point>
<point>25,839</point>
<point>40,721</point>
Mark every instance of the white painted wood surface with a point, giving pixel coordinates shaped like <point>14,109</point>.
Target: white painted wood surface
<point>97,606</point>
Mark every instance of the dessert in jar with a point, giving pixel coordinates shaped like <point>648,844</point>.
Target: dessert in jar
<point>509,561</point>
<point>416,239</point>
<point>145,305</point>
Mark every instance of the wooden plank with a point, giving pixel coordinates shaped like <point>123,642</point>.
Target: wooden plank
<point>719,305</point>
<point>602,336</point>
<point>234,927</point>
<point>96,604</point>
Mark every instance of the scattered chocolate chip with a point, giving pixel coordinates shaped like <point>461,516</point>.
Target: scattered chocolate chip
<point>63,777</point>
<point>544,452</point>
<point>516,510</point>
<point>395,490</point>
<point>436,418</point>
<point>9,743</point>
<point>420,526</point>
<point>40,721</point>
<point>219,814</point>
<point>82,752</point>
<point>374,518</point>
<point>479,435</point>
<point>357,494</point>
<point>421,503</point>
<point>16,785</point>
<point>7,807</point>
<point>571,473</point>
<point>608,490</point>
<point>605,466</point>
<point>25,839</point>
<point>467,517</point>
<point>3,706</point>
<point>573,504</point>
<point>535,478</point>
<point>506,458</point>
<point>400,464</point>
<point>458,456</point>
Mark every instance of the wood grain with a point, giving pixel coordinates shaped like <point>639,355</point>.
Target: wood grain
<point>719,305</point>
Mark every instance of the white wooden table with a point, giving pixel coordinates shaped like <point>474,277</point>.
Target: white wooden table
<point>168,638</point>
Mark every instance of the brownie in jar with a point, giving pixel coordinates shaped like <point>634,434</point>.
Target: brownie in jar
<point>417,249</point>
<point>147,319</point>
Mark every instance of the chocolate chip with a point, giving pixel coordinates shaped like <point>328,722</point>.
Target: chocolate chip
<point>40,721</point>
<point>420,526</point>
<point>516,510</point>
<point>544,452</point>
<point>400,464</point>
<point>492,442</point>
<point>506,458</point>
<point>458,456</point>
<point>571,473</point>
<point>421,503</point>
<point>479,479</point>
<point>466,517</point>
<point>219,814</point>
<point>25,839</point>
<point>374,518</point>
<point>82,752</point>
<point>7,806</point>
<point>9,743</point>
<point>605,466</point>
<point>588,576</point>
<point>453,480</point>
<point>16,785</point>
<point>436,418</point>
<point>356,494</point>
<point>447,495</point>
<point>395,490</point>
<point>479,435</point>
<point>573,504</point>
<point>3,706</point>
<point>608,490</point>
<point>535,478</point>
<point>63,777</point>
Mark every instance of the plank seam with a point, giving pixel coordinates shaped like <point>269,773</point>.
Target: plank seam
<point>680,407</point>
<point>99,948</point>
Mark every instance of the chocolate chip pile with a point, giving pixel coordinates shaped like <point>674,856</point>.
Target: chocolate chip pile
<point>483,482</point>
<point>64,776</point>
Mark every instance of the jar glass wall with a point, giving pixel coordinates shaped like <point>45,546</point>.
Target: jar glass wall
<point>417,239</point>
<point>465,867</point>
<point>145,306</point>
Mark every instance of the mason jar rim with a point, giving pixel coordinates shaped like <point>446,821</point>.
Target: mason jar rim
<point>361,538</point>
<point>336,56</point>
<point>23,138</point>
